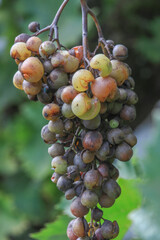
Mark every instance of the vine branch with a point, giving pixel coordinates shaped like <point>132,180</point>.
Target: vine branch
<point>53,27</point>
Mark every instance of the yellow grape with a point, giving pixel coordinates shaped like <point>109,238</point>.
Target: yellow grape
<point>81,104</point>
<point>81,80</point>
<point>32,69</point>
<point>84,107</point>
<point>102,63</point>
<point>120,72</point>
<point>71,63</point>
<point>19,51</point>
<point>94,111</point>
<point>18,80</point>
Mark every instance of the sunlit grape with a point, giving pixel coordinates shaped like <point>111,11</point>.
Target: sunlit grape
<point>81,80</point>
<point>32,69</point>
<point>102,63</point>
<point>19,51</point>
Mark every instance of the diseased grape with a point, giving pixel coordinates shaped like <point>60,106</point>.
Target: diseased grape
<point>89,102</point>
<point>32,69</point>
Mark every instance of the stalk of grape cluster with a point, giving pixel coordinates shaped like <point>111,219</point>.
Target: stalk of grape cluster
<point>89,102</point>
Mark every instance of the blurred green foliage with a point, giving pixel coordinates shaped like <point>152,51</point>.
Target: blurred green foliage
<point>28,199</point>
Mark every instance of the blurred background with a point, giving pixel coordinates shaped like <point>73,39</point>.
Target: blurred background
<point>28,199</point>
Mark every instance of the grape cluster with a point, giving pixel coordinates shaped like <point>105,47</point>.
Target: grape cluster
<point>89,110</point>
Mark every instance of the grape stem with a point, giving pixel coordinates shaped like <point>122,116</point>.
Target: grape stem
<point>73,142</point>
<point>101,40</point>
<point>53,27</point>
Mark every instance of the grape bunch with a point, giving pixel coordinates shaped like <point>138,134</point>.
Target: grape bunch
<point>89,106</point>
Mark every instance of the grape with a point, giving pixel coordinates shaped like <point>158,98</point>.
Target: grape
<point>45,96</point>
<point>88,156</point>
<point>77,52</point>
<point>103,169</point>
<point>78,162</point>
<point>104,88</point>
<point>80,227</point>
<point>98,234</point>
<point>58,95</point>
<point>47,66</point>
<point>18,80</point>
<point>107,229</point>
<point>23,37</point>
<point>32,88</point>
<point>123,95</point>
<point>114,123</point>
<point>119,72</point>
<point>46,49</point>
<point>84,107</point>
<point>116,108</point>
<point>71,63</point>
<point>131,139</point>
<point>51,111</point>
<point>64,183</point>
<point>19,51</point>
<point>33,44</point>
<point>68,94</point>
<point>115,136</point>
<point>59,164</point>
<point>73,171</point>
<point>102,63</point>
<point>123,152</point>
<point>120,52</point>
<point>70,232</point>
<point>77,208</point>
<point>103,152</point>
<point>89,199</point>
<point>105,201</point>
<point>68,125</point>
<point>34,26</point>
<point>92,179</point>
<point>128,113</point>
<point>97,214</point>
<point>70,194</point>
<point>67,111</point>
<point>55,177</point>
<point>56,126</point>
<point>132,97</point>
<point>93,123</point>
<point>81,79</point>
<point>56,149</point>
<point>32,69</point>
<point>48,136</point>
<point>92,141</point>
<point>57,60</point>
<point>57,78</point>
<point>111,188</point>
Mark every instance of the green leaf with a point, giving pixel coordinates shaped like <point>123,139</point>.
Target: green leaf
<point>55,230</point>
<point>11,221</point>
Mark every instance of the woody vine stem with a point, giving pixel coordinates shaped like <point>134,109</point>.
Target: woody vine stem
<point>53,28</point>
